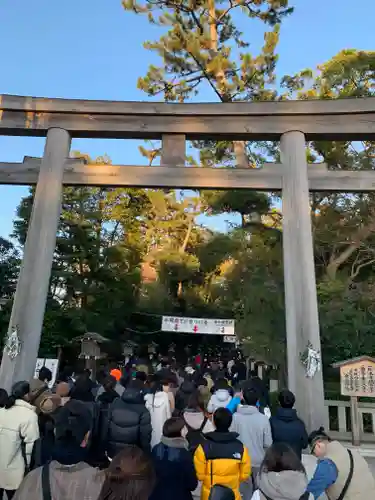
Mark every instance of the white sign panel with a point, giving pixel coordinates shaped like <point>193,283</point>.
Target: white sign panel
<point>51,364</point>
<point>230,338</point>
<point>39,365</point>
<point>198,325</point>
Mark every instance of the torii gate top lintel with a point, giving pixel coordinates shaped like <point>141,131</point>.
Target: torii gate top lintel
<point>336,119</point>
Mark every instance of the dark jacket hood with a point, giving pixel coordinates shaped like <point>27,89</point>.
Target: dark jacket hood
<point>286,414</point>
<point>133,396</point>
<point>221,437</point>
<point>108,397</point>
<point>187,387</point>
<point>284,485</point>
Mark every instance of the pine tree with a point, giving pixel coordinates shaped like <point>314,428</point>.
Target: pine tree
<point>203,47</point>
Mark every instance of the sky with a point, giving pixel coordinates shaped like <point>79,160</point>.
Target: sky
<point>92,49</point>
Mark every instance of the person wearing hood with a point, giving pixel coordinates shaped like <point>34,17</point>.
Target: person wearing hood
<point>221,397</point>
<point>158,404</point>
<point>194,416</point>
<point>176,477</point>
<point>282,476</point>
<point>197,424</point>
<point>128,422</point>
<point>222,458</point>
<point>286,427</point>
<point>340,473</point>
<point>255,433</point>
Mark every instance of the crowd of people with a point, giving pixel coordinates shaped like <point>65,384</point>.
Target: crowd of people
<point>197,432</point>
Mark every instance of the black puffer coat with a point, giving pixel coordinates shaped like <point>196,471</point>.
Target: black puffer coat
<point>128,422</point>
<point>183,394</point>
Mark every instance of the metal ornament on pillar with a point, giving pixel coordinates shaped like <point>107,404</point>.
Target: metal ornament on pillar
<point>311,360</point>
<point>12,345</point>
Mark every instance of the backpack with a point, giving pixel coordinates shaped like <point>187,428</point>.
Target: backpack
<point>195,437</point>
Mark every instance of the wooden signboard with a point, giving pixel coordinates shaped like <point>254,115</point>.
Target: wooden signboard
<point>357,378</point>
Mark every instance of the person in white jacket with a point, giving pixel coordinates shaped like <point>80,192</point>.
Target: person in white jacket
<point>221,397</point>
<point>18,432</point>
<point>159,406</point>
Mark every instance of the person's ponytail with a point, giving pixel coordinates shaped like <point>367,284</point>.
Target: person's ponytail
<point>11,402</point>
<point>19,391</point>
<point>3,398</point>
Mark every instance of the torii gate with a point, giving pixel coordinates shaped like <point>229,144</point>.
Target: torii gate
<point>293,122</point>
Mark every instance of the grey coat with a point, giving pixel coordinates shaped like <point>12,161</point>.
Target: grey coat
<point>254,432</point>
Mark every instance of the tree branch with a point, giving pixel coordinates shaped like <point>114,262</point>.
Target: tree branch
<point>354,273</point>
<point>336,262</point>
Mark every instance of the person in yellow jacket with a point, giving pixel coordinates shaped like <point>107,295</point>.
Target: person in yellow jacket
<point>222,458</point>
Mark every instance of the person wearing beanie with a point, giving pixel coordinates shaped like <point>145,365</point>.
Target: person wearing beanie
<point>116,373</point>
<point>67,475</point>
<point>119,388</point>
<point>340,473</point>
<point>286,427</point>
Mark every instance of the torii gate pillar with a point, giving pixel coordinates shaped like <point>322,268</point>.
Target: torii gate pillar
<point>33,282</point>
<point>301,307</point>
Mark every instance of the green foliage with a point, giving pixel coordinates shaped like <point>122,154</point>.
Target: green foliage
<point>9,268</point>
<point>123,251</point>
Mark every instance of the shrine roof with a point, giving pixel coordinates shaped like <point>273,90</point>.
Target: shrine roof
<point>92,336</point>
<point>352,361</point>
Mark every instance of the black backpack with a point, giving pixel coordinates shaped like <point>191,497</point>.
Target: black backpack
<point>195,437</point>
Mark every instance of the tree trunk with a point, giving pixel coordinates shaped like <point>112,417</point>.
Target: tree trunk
<point>239,147</point>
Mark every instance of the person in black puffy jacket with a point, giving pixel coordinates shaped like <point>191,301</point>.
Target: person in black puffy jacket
<point>128,421</point>
<point>286,427</point>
